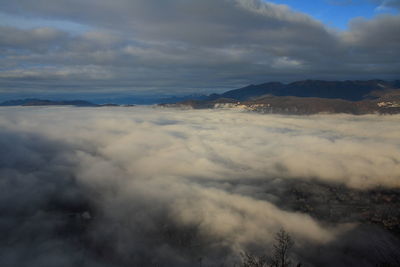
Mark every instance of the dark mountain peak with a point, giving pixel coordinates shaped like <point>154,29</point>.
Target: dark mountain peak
<point>348,90</point>
<point>271,84</point>
<point>346,82</point>
<point>252,90</point>
<point>396,84</point>
<point>351,90</point>
<point>307,82</point>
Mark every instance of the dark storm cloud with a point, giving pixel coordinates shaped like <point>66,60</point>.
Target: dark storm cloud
<point>35,40</point>
<point>197,22</point>
<point>389,4</point>
<point>380,36</point>
<point>145,186</point>
<point>182,45</point>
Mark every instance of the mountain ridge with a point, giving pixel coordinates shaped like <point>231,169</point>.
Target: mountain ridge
<point>308,97</point>
<point>46,102</point>
<point>348,90</point>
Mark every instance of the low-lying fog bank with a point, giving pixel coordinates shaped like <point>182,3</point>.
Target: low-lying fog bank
<point>164,187</point>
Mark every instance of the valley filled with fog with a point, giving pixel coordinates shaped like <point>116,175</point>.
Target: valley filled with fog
<point>147,186</point>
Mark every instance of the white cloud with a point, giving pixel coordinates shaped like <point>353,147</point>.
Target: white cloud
<point>151,173</point>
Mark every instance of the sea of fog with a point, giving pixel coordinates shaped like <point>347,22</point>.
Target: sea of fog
<point>147,186</point>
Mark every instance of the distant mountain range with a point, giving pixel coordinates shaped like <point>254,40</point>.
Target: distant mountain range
<point>347,90</point>
<point>43,102</point>
<point>302,97</point>
<point>308,97</point>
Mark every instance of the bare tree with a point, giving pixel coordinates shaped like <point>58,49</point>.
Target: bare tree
<point>280,253</point>
<point>281,248</point>
<point>249,260</point>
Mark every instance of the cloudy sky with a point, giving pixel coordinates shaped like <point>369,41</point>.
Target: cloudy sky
<point>191,46</point>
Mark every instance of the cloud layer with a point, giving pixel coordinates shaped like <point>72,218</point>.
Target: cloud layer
<point>178,46</point>
<point>147,186</point>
